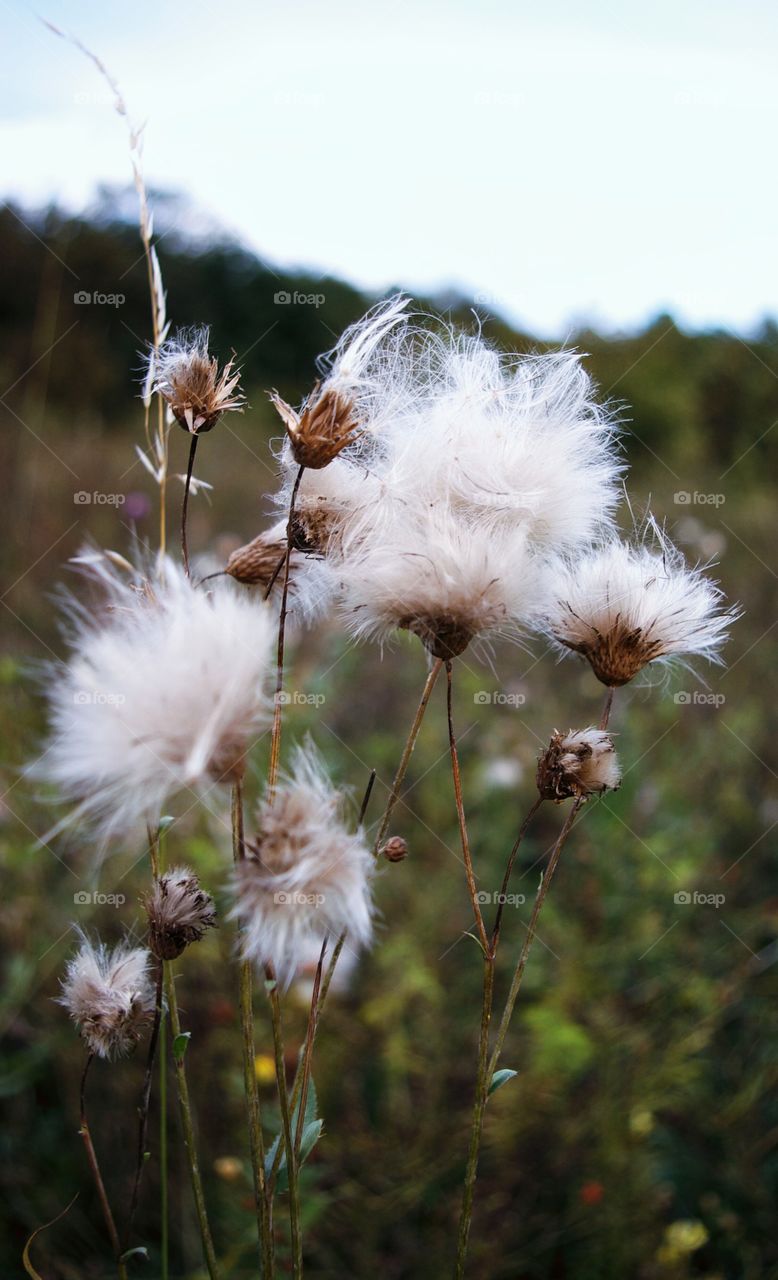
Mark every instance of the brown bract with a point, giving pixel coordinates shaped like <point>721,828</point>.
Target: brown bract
<point>258,562</point>
<point>579,763</point>
<point>617,655</point>
<point>445,637</point>
<point>197,393</point>
<point>323,428</point>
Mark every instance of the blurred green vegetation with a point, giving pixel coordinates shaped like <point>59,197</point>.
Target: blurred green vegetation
<point>645,1036</point>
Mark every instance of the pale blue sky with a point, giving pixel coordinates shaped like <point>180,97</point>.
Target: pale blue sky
<point>567,160</point>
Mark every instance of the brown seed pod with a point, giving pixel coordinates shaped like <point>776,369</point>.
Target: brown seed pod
<point>323,428</point>
<point>395,849</point>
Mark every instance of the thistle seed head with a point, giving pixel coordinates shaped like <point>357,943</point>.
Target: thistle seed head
<point>578,763</point>
<point>179,912</point>
<point>325,425</point>
<point>188,378</point>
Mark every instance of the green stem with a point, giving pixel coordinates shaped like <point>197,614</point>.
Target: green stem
<point>163,1178</point>
<point>479,1106</point>
<point>464,839</point>
<point>187,1123</point>
<point>275,737</point>
<point>286,1118</point>
<point>262,1198</point>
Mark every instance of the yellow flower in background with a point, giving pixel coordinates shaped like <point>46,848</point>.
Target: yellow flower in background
<point>681,1239</point>
<point>641,1122</point>
<point>265,1068</point>
<point>229,1168</point>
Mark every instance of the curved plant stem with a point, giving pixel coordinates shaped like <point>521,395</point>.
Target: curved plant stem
<point>187,1123</point>
<point>410,743</point>
<point>256,1140</point>
<point>469,872</point>
<point>275,740</point>
<point>91,1155</point>
<point>164,1250</point>
<point>286,1119</point>
<point>509,868</point>
<point>143,1110</point>
<point>479,1106</point>
<point>305,1073</point>
<point>185,503</point>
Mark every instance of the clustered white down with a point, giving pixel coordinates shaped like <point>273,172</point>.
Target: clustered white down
<point>451,491</point>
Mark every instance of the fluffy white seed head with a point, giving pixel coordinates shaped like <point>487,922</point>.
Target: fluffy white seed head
<point>109,995</point>
<point>581,762</point>
<point>306,876</point>
<point>164,691</point>
<point>444,580</point>
<point>179,912</point>
<point>184,373</point>
<point>624,606</point>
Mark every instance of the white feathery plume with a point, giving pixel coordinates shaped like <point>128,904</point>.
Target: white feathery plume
<point>582,762</point>
<point>623,606</point>
<point>163,691</point>
<point>306,876</point>
<point>109,995</point>
<point>445,580</point>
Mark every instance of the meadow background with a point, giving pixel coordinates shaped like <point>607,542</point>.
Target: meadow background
<point>645,1038</point>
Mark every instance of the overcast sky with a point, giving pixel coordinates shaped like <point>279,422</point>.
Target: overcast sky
<point>559,161</point>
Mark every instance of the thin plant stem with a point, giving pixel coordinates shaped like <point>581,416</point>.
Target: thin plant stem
<point>256,1139</point>
<point>410,743</point>
<point>275,739</point>
<point>143,1110</point>
<point>469,872</point>
<point>163,1161</point>
<point>286,1120</point>
<point>509,868</point>
<point>187,1123</point>
<point>91,1156</point>
<point>479,1106</point>
<point>606,710</point>
<point>307,1056</point>
<point>185,503</point>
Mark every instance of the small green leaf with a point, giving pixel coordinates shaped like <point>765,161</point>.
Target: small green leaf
<point>311,1135</point>
<point>181,1044</point>
<point>270,984</point>
<point>140,1251</point>
<point>165,822</point>
<point>500,1078</point>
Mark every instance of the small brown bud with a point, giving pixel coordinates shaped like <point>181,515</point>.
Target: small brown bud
<point>395,849</point>
<point>443,637</point>
<point>323,428</point>
<point>258,561</point>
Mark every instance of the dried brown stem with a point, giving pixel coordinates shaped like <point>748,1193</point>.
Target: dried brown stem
<point>465,841</point>
<point>185,503</point>
<point>94,1166</point>
<point>275,740</point>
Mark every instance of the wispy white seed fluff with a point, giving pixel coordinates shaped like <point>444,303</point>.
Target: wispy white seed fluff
<point>445,580</point>
<point>164,691</point>
<point>581,762</point>
<point>306,876</point>
<point>623,606</point>
<point>179,912</point>
<point>109,995</point>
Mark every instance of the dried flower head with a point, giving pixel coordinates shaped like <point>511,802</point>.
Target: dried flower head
<point>395,849</point>
<point>109,995</point>
<point>306,876</point>
<point>443,580</point>
<point>179,912</point>
<point>259,562</point>
<point>623,607</point>
<point>581,762</point>
<point>164,690</point>
<point>188,378</point>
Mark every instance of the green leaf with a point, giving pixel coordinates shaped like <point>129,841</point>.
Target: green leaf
<point>311,1135</point>
<point>165,822</point>
<point>500,1078</point>
<point>270,984</point>
<point>140,1251</point>
<point>180,1045</point>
